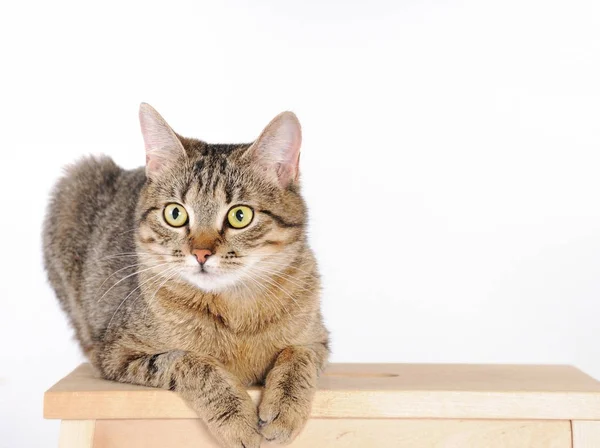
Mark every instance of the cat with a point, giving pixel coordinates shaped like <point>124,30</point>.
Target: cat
<point>194,274</point>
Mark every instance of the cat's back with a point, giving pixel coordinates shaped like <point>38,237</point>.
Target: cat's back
<point>82,206</point>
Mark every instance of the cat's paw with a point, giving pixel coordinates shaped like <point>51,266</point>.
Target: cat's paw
<point>245,438</point>
<point>238,428</point>
<point>282,417</point>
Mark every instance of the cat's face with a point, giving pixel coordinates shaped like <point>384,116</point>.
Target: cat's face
<point>220,216</point>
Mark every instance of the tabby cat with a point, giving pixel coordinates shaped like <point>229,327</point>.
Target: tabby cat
<point>193,274</point>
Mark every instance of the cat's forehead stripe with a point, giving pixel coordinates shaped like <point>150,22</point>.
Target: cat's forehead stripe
<point>185,190</point>
<point>212,173</point>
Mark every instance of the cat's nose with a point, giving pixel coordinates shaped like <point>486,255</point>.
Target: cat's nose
<point>202,255</point>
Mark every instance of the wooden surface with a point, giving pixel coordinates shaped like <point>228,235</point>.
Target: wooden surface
<point>367,391</point>
<point>586,434</point>
<point>77,434</point>
<point>348,433</point>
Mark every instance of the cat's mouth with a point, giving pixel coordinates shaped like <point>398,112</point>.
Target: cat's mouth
<point>210,279</point>
<point>206,272</point>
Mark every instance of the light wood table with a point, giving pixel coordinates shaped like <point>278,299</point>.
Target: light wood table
<point>358,405</point>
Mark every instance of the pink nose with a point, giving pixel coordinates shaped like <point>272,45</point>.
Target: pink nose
<point>201,255</point>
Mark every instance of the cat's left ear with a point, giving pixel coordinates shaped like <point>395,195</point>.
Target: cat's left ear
<point>162,144</point>
<point>277,150</point>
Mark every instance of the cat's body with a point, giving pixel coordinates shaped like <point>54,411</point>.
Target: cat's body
<point>203,308</point>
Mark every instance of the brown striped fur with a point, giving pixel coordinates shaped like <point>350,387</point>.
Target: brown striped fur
<point>119,273</point>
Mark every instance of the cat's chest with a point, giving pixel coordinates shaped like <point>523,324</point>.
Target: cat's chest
<point>247,355</point>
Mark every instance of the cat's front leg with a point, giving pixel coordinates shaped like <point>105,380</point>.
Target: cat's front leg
<point>214,393</point>
<point>289,390</point>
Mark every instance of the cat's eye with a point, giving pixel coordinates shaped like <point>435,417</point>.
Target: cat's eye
<point>240,216</point>
<point>175,215</point>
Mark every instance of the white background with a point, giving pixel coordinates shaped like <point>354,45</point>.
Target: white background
<point>450,161</point>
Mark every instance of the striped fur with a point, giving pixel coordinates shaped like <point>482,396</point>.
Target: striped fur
<point>120,274</point>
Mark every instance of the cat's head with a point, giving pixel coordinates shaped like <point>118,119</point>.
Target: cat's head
<point>220,216</point>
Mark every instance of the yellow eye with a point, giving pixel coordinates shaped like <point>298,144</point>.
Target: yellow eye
<point>240,216</point>
<point>175,215</point>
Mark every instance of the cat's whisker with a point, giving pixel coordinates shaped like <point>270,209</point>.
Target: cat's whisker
<point>134,254</point>
<point>252,296</point>
<point>172,274</point>
<point>146,301</point>
<point>131,275</point>
<point>278,269</point>
<point>279,265</point>
<point>270,293</point>
<point>275,285</point>
<point>129,295</point>
<point>288,278</point>
<point>302,273</point>
<point>266,290</point>
<point>274,275</point>
<point>279,299</point>
<point>117,271</point>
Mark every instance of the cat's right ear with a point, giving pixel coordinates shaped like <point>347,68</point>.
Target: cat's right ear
<point>161,142</point>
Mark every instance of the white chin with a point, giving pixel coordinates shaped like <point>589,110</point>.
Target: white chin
<point>210,282</point>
